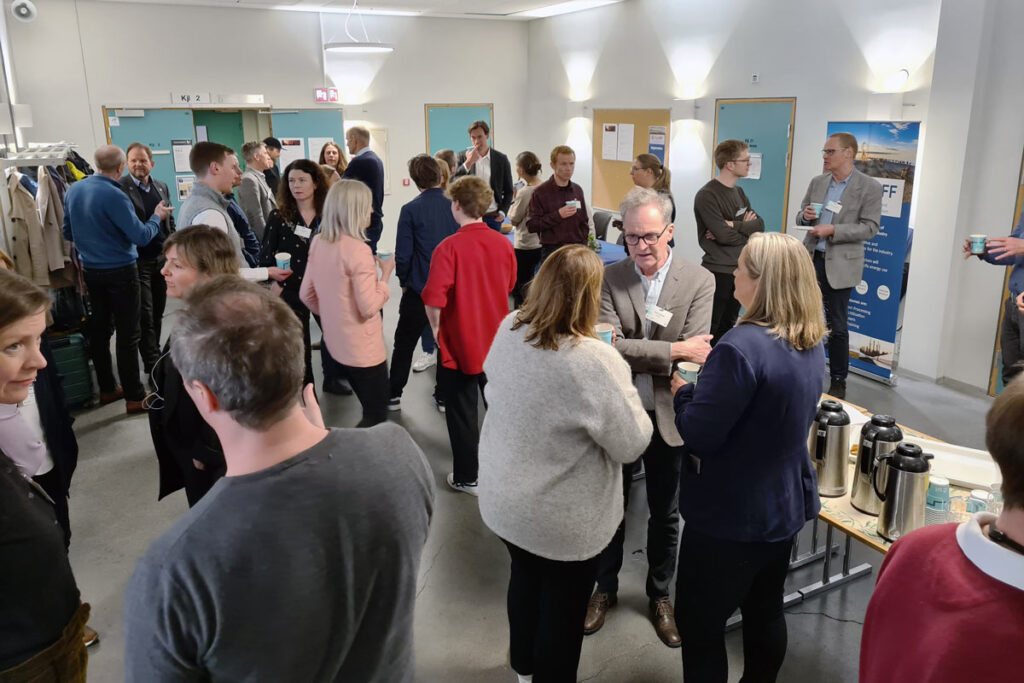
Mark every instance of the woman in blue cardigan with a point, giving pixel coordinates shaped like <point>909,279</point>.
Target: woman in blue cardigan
<point>747,486</point>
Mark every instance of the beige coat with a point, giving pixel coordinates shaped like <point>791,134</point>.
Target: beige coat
<point>37,244</point>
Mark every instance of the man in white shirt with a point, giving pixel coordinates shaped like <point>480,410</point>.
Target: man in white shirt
<point>493,167</point>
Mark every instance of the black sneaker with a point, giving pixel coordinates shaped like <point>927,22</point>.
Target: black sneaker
<point>439,404</point>
<point>395,404</point>
<point>837,389</point>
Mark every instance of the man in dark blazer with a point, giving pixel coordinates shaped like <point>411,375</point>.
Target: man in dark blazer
<point>146,192</point>
<point>273,174</point>
<point>850,204</point>
<point>484,161</point>
<point>367,167</point>
<point>660,306</point>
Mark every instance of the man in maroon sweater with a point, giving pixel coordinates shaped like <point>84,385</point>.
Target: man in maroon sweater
<point>949,603</point>
<point>558,211</point>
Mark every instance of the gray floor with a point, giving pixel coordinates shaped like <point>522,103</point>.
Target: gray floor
<point>461,629</point>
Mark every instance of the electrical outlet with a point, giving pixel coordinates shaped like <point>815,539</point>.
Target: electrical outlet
<point>754,78</point>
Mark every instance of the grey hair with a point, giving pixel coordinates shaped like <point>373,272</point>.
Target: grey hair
<point>245,345</point>
<point>642,196</point>
<point>249,150</point>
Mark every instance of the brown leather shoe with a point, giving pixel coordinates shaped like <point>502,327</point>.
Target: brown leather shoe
<point>110,397</point>
<point>89,636</point>
<point>134,407</point>
<point>664,619</point>
<point>599,605</point>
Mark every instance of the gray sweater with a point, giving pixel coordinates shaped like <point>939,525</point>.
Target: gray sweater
<point>558,428</point>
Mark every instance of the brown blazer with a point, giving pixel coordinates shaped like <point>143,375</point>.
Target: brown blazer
<point>688,293</point>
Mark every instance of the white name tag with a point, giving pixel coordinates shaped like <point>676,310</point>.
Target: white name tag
<point>658,315</point>
<point>834,207</point>
<point>303,232</point>
<point>741,211</point>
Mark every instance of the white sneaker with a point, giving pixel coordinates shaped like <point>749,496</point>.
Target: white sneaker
<point>464,488</point>
<point>424,362</point>
<point>525,679</point>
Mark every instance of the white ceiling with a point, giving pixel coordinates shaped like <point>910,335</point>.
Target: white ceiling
<point>497,9</point>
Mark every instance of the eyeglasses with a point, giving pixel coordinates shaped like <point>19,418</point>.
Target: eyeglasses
<point>742,161</point>
<point>830,152</point>
<point>636,169</point>
<point>649,238</point>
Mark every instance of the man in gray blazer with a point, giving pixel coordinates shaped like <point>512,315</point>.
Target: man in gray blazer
<point>849,208</point>
<point>660,306</point>
<point>254,195</point>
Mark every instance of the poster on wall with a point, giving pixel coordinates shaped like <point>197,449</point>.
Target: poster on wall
<point>886,151</point>
<point>184,184</point>
<point>656,137</point>
<point>181,149</point>
<point>610,142</point>
<point>292,149</point>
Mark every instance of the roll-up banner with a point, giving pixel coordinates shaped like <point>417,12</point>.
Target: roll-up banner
<point>886,151</point>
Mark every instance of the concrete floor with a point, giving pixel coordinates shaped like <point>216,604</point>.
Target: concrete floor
<point>461,628</point>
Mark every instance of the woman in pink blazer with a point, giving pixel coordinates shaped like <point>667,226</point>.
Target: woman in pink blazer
<point>343,287</point>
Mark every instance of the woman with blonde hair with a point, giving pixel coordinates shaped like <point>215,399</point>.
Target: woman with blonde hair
<point>331,155</point>
<point>343,287</point>
<point>748,486</point>
<point>564,418</point>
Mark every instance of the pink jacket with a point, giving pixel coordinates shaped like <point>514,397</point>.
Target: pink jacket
<point>341,285</point>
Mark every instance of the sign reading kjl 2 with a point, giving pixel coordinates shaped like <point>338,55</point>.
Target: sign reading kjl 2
<point>190,98</point>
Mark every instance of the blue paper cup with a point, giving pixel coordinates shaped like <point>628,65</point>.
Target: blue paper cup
<point>384,255</point>
<point>978,244</point>
<point>817,209</point>
<point>604,332</point>
<point>284,260</point>
<point>938,493</point>
<point>688,371</point>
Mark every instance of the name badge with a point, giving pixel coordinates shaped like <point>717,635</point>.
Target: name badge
<point>658,315</point>
<point>303,232</point>
<point>834,207</point>
<point>742,211</point>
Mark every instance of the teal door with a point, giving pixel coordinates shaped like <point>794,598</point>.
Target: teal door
<point>224,127</point>
<point>156,128</point>
<point>767,126</point>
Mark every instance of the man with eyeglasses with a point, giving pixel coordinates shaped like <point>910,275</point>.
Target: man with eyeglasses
<point>725,222</point>
<point>844,206</point>
<point>660,306</point>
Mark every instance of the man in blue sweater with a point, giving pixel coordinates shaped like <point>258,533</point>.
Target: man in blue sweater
<point>367,167</point>
<point>100,220</point>
<point>422,224</point>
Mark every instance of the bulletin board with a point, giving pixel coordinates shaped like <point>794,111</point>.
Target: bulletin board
<point>995,382</point>
<point>611,180</point>
<point>318,124</point>
<point>447,125</point>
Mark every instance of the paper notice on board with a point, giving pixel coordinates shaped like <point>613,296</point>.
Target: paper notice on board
<point>755,167</point>
<point>610,142</point>
<point>292,149</point>
<point>317,144</point>
<point>625,148</point>
<point>184,184</point>
<point>201,134</point>
<point>656,138</point>
<point>181,150</point>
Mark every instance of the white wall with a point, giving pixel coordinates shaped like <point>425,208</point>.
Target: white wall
<point>137,54</point>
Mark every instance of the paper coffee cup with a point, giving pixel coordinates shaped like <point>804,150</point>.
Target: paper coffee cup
<point>284,260</point>
<point>978,244</point>
<point>605,332</point>
<point>688,371</point>
<point>817,209</point>
<point>384,255</point>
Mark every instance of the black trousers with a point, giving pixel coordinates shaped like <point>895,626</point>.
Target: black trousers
<point>459,392</point>
<point>371,388</point>
<point>837,308</point>
<point>547,602</point>
<point>114,295</point>
<point>725,309</point>
<point>1010,341</point>
<point>332,369</point>
<point>153,298</point>
<point>302,313</point>
<point>663,464</point>
<point>527,261</point>
<point>412,317</point>
<point>716,576</point>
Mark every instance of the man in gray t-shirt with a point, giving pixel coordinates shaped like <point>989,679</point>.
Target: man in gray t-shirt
<point>301,563</point>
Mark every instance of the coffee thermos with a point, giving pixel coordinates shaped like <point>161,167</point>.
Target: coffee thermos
<point>828,444</point>
<point>878,437</point>
<point>905,492</point>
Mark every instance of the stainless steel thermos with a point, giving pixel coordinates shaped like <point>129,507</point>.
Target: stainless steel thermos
<point>828,444</point>
<point>878,437</point>
<point>905,492</point>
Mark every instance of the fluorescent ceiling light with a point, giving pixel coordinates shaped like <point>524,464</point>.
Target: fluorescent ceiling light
<point>359,48</point>
<point>345,10</point>
<point>565,8</point>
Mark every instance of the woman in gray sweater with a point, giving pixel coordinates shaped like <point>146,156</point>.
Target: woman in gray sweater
<point>563,417</point>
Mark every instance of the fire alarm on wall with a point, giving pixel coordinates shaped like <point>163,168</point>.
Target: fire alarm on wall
<point>405,182</point>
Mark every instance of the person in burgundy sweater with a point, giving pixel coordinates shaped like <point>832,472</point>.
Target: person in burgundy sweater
<point>949,603</point>
<point>466,297</point>
<point>558,211</point>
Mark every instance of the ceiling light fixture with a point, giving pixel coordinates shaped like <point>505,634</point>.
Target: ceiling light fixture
<point>895,81</point>
<point>564,8</point>
<point>355,46</point>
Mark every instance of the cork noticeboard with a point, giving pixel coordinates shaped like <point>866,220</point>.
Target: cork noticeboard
<point>611,179</point>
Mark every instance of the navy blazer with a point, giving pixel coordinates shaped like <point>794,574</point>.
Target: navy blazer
<point>368,168</point>
<point>422,224</point>
<point>747,421</point>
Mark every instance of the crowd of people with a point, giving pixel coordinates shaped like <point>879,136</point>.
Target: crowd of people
<point>318,531</point>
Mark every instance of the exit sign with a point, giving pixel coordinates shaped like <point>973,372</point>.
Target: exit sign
<point>325,95</point>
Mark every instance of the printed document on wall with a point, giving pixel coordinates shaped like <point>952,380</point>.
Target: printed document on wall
<point>610,142</point>
<point>181,149</point>
<point>755,167</point>
<point>292,149</point>
<point>625,151</point>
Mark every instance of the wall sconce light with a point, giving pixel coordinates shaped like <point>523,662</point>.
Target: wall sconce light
<point>685,109</point>
<point>576,110</point>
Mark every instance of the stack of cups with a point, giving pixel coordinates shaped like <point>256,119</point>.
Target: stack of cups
<point>936,509</point>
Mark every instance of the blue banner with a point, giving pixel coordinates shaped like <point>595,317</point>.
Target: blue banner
<point>887,151</point>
